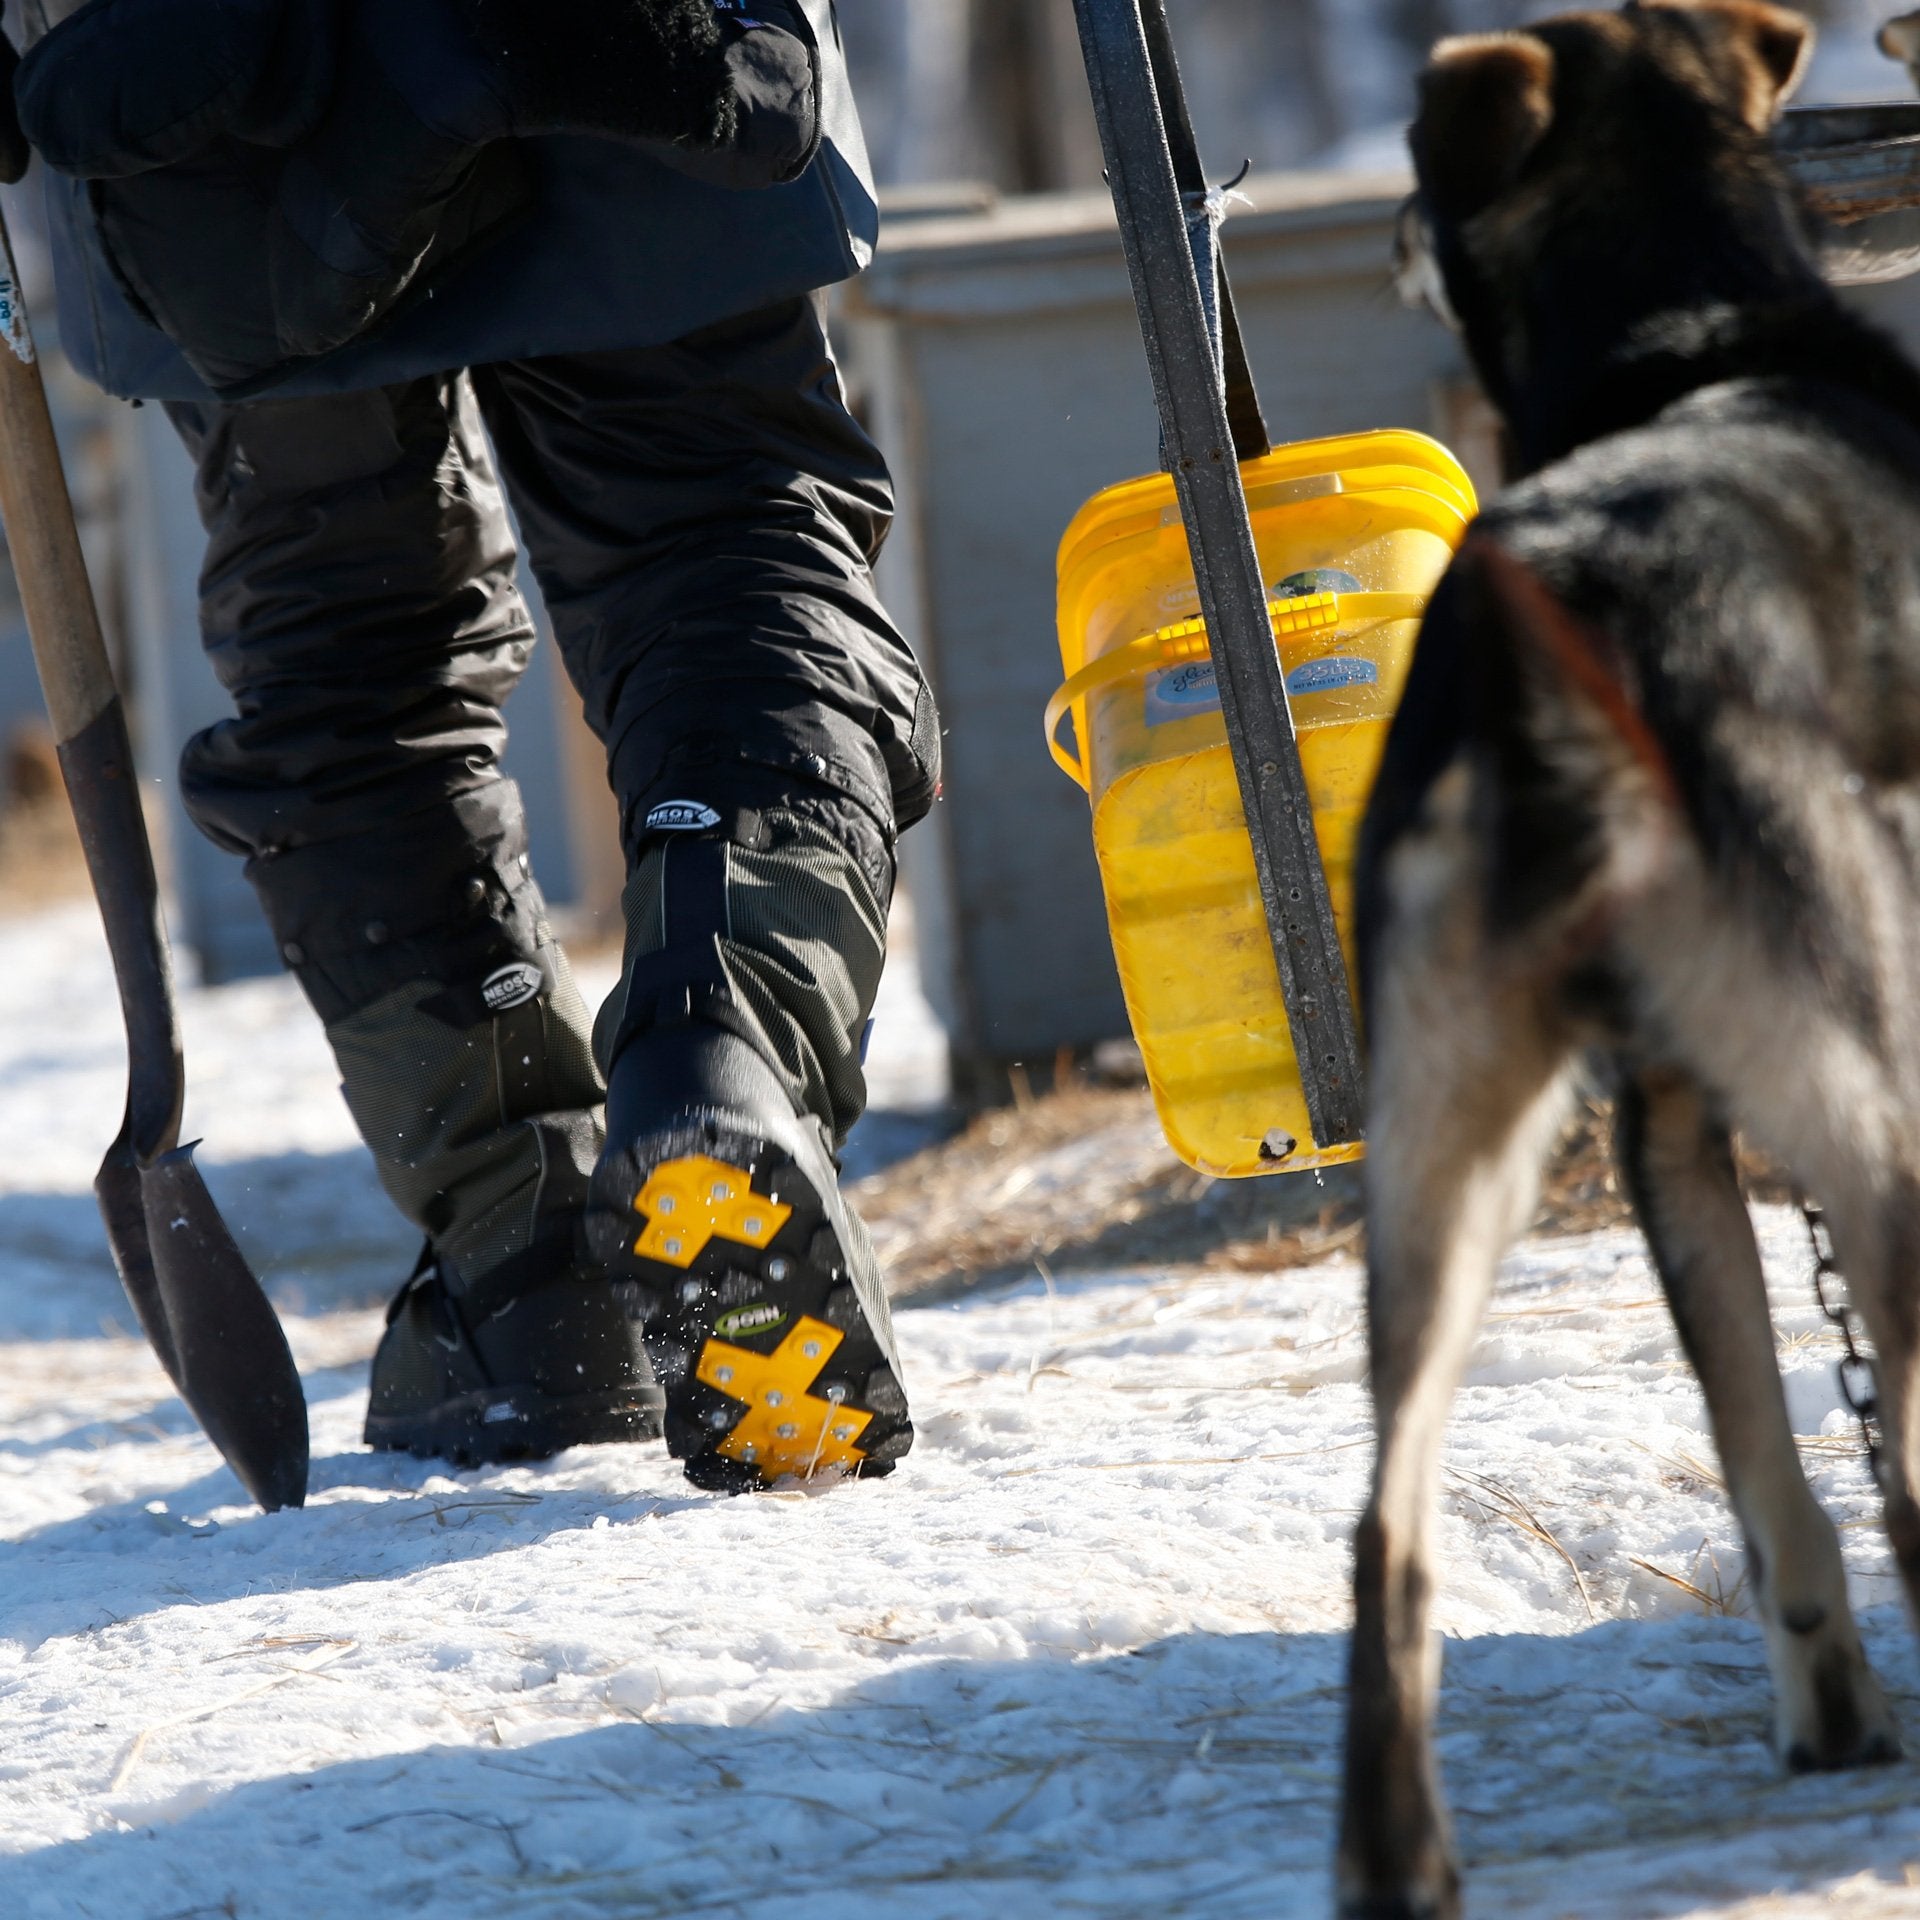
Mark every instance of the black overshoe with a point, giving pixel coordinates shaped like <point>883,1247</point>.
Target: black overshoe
<point>542,1356</point>
<point>765,1312</point>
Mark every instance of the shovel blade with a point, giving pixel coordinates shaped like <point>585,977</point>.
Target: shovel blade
<point>231,1361</point>
<point>117,1189</point>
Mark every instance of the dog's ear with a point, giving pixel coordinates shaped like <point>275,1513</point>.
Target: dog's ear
<point>1899,40</point>
<point>1770,47</point>
<point>1485,101</point>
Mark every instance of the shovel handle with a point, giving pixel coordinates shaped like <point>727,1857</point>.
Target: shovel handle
<point>197,1298</point>
<point>89,726</point>
<point>68,651</point>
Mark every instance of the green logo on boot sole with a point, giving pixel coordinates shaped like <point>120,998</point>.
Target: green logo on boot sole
<point>743,1322</point>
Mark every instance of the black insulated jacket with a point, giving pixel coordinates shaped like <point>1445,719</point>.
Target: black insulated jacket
<point>306,196</point>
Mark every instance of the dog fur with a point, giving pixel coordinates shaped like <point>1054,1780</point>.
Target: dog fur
<point>1653,789</point>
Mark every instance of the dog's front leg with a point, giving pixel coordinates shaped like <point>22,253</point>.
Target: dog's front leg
<point>1464,1104</point>
<point>1678,1165</point>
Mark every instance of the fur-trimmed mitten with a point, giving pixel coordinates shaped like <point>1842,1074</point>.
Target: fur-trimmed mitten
<point>124,86</point>
<point>704,76</point>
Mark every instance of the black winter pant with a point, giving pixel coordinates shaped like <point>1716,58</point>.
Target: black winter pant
<point>701,517</point>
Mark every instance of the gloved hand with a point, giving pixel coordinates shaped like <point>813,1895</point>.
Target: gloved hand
<point>426,84</point>
<point>732,90</point>
<point>271,177</point>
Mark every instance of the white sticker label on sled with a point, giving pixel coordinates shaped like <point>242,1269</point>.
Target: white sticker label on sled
<point>1179,693</point>
<point>1336,670</point>
<point>511,986</point>
<point>1182,693</point>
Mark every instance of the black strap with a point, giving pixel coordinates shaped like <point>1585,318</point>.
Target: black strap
<point>555,1258</point>
<point>1251,440</point>
<point>684,980</point>
<point>693,907</point>
<point>1244,418</point>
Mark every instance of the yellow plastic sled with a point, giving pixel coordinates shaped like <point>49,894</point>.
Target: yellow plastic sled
<point>1353,533</point>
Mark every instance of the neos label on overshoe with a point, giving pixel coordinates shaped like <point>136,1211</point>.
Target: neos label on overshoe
<point>511,986</point>
<point>681,816</point>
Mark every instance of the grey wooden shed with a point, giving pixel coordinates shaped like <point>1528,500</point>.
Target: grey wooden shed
<point>999,358</point>
<point>997,354</point>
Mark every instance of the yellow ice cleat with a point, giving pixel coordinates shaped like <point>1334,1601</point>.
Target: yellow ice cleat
<point>690,1201</point>
<point>764,1310</point>
<point>787,1429</point>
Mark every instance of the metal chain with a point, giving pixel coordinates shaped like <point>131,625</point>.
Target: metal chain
<point>1855,1368</point>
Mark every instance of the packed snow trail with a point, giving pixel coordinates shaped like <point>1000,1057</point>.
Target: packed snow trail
<point>1081,1655</point>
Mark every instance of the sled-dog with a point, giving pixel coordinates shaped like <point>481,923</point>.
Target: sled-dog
<point>1654,788</point>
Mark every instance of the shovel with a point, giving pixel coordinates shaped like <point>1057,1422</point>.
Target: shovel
<point>196,1297</point>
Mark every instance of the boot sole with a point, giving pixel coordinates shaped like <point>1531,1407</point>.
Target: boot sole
<point>495,1425</point>
<point>755,1330</point>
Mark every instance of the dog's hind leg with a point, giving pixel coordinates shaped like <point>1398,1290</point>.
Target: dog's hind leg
<point>1820,1073</point>
<point>1678,1164</point>
<point>1465,1099</point>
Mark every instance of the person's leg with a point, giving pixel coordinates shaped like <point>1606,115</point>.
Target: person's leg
<point>703,518</point>
<point>358,603</point>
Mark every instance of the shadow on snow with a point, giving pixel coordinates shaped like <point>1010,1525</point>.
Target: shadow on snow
<point>318,1229</point>
<point>1194,1776</point>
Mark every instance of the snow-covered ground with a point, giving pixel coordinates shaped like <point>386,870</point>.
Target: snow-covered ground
<point>1080,1656</point>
